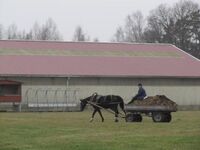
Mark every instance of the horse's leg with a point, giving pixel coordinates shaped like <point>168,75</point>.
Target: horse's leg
<point>94,112</point>
<point>122,106</point>
<point>99,111</point>
<point>116,115</point>
<point>114,108</point>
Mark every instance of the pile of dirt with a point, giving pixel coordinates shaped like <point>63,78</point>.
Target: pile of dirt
<point>158,100</point>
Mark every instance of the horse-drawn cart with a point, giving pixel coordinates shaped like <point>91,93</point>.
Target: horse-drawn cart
<point>158,107</point>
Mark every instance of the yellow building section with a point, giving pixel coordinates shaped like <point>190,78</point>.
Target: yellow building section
<point>100,53</point>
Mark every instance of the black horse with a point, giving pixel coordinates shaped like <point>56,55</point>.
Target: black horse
<point>108,102</point>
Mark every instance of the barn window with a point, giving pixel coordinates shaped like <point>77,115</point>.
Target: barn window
<point>10,91</point>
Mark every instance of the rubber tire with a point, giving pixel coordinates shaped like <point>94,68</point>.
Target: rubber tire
<point>168,117</point>
<point>137,118</point>
<point>129,117</point>
<point>158,117</point>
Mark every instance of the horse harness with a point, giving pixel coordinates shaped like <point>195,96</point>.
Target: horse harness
<point>97,98</point>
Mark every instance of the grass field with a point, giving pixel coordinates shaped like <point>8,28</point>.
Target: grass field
<point>72,131</point>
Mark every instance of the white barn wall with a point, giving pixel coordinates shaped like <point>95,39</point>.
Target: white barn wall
<point>182,91</point>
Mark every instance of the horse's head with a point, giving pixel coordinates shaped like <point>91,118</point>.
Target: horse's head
<point>83,103</point>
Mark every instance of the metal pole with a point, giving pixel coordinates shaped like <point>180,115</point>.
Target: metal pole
<point>36,99</point>
<point>75,96</point>
<point>65,94</point>
<point>36,95</point>
<point>27,98</point>
<point>46,95</point>
<point>67,84</point>
<point>55,96</point>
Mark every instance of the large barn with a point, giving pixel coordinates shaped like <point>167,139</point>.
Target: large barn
<point>53,76</point>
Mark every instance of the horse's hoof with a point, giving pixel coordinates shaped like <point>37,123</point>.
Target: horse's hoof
<point>116,120</point>
<point>91,119</point>
<point>102,120</point>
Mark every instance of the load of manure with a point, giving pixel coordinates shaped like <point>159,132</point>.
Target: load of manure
<point>158,100</point>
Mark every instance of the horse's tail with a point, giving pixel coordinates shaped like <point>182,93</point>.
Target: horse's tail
<point>121,104</point>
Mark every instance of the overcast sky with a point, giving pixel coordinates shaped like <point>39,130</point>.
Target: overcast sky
<point>99,18</point>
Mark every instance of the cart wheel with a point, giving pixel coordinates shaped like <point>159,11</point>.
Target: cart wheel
<point>158,117</point>
<point>129,117</point>
<point>137,118</point>
<point>168,117</point>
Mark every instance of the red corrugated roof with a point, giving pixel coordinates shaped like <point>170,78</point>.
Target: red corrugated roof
<point>18,58</point>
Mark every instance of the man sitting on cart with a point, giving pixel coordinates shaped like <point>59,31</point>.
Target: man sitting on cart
<point>140,95</point>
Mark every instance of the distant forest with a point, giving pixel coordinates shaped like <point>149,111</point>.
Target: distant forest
<point>178,24</point>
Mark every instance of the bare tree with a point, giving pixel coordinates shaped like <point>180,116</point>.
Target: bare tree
<point>49,31</point>
<point>29,36</point>
<point>12,32</point>
<point>132,30</point>
<point>154,31</point>
<point>119,36</point>
<point>79,35</point>
<point>134,27</point>
<point>96,40</point>
<point>184,12</point>
<point>160,25</point>
<point>183,8</point>
<point>179,25</point>
<point>21,34</point>
<point>35,32</point>
<point>1,31</point>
